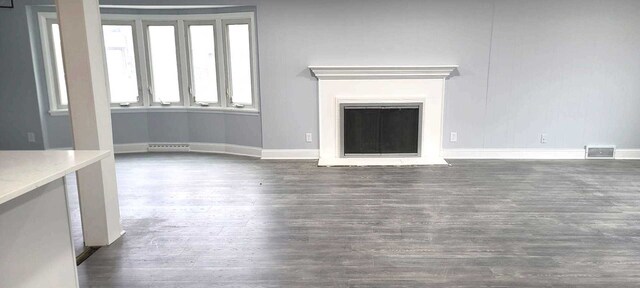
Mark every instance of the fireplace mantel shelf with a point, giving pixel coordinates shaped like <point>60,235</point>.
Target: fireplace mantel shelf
<point>384,72</point>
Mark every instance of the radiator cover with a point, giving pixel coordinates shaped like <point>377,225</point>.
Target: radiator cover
<point>169,147</point>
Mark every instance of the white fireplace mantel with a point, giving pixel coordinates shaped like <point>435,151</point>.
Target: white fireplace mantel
<point>381,85</point>
<point>383,72</point>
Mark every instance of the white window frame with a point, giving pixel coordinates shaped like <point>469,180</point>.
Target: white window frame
<point>136,49</point>
<point>180,22</point>
<point>219,76</point>
<point>253,53</point>
<point>46,22</point>
<point>180,79</point>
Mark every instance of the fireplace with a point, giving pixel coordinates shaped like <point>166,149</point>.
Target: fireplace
<point>381,130</point>
<point>381,115</point>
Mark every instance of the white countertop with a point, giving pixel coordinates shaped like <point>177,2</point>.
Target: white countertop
<point>23,171</point>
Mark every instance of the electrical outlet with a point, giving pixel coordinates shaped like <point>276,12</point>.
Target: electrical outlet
<point>308,137</point>
<point>453,137</point>
<point>543,138</point>
<point>31,137</point>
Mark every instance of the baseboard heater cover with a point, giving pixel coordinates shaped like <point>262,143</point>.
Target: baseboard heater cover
<point>169,147</point>
<point>600,152</point>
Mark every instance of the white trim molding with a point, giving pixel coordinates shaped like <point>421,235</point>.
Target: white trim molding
<point>230,149</point>
<point>130,148</point>
<point>509,153</point>
<point>313,154</point>
<point>219,148</point>
<point>540,154</point>
<point>498,154</point>
<point>628,154</point>
<point>162,109</point>
<point>383,72</point>
<point>290,154</point>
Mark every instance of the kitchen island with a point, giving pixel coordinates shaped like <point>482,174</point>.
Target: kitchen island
<point>36,249</point>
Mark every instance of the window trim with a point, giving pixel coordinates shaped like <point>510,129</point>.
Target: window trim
<point>252,61</point>
<point>180,22</point>
<point>219,76</point>
<point>153,109</point>
<point>150,89</point>
<point>50,65</point>
<point>132,23</point>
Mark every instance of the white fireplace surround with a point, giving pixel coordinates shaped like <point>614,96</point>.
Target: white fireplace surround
<point>367,85</point>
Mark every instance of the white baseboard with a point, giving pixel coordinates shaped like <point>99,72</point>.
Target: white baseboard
<point>220,148</point>
<point>542,154</point>
<point>559,154</point>
<point>226,149</point>
<point>290,153</point>
<point>130,148</point>
<point>513,153</point>
<point>631,154</point>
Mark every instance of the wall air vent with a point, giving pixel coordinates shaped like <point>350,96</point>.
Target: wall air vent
<point>600,152</point>
<point>168,147</point>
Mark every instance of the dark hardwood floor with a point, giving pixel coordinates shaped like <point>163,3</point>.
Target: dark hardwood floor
<point>197,220</point>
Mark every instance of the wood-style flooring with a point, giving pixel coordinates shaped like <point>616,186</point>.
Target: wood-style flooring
<point>198,220</point>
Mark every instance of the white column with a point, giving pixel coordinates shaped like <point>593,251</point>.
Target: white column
<point>85,70</point>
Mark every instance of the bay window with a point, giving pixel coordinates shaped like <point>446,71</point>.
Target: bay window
<point>204,62</point>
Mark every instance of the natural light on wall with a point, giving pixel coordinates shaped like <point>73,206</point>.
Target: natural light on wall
<point>121,63</point>
<point>204,85</point>
<point>240,63</point>
<point>164,65</point>
<point>59,66</point>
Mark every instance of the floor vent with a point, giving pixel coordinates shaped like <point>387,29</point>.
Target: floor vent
<point>168,148</point>
<point>600,152</point>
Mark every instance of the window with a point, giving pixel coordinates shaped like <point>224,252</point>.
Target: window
<point>202,49</point>
<point>196,61</point>
<point>121,64</point>
<point>163,61</point>
<point>239,64</point>
<point>58,64</point>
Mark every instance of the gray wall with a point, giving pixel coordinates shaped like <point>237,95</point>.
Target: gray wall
<point>567,68</point>
<point>19,107</point>
<point>166,127</point>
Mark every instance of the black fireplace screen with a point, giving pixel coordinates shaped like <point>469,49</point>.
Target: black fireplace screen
<point>381,129</point>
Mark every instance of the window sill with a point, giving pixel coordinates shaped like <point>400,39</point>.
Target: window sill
<point>216,110</point>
